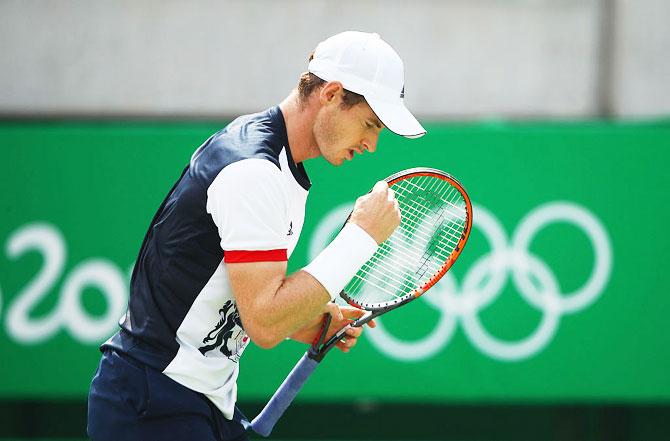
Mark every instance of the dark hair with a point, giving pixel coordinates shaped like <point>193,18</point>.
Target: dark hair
<point>309,83</point>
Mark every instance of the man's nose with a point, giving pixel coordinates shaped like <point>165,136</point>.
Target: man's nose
<point>369,144</point>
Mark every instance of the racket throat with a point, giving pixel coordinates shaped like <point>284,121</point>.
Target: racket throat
<point>319,349</point>
<point>369,315</point>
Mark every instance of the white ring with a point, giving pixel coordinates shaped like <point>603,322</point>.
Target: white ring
<point>418,349</point>
<point>503,350</point>
<point>565,212</point>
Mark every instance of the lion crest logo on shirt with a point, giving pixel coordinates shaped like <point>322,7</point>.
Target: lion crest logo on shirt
<point>228,335</point>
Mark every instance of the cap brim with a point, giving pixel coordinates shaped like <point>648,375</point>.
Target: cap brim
<point>397,118</point>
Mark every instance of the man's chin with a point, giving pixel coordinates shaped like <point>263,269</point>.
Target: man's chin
<point>335,161</point>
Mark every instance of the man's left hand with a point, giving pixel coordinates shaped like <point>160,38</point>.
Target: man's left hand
<point>342,316</point>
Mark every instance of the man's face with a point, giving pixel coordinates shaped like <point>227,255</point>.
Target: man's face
<point>341,133</point>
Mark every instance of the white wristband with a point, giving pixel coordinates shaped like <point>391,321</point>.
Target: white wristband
<point>335,266</point>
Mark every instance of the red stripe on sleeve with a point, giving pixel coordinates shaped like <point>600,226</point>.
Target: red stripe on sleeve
<point>238,256</point>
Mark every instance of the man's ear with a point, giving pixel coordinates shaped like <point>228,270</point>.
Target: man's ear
<point>331,92</point>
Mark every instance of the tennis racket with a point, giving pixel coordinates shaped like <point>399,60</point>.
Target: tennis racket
<point>436,217</point>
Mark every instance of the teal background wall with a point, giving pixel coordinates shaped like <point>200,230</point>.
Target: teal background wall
<point>558,299</point>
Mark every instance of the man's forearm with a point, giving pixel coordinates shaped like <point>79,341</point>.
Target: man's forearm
<point>296,304</point>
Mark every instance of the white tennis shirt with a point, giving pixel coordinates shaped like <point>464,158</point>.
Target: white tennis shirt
<point>241,199</point>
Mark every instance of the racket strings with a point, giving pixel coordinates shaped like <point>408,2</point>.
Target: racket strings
<point>391,273</point>
<point>403,248</point>
<point>420,209</point>
<point>413,214</point>
<point>436,196</point>
<point>433,219</point>
<point>453,225</point>
<point>453,237</point>
<point>390,267</point>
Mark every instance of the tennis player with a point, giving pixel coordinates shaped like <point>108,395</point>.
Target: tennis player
<point>211,271</point>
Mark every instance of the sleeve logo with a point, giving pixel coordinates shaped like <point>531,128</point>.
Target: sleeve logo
<point>228,335</point>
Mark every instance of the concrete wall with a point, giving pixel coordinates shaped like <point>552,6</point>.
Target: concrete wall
<point>464,58</point>
<point>641,68</point>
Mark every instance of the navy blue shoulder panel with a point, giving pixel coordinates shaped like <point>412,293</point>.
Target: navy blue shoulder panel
<point>181,250</point>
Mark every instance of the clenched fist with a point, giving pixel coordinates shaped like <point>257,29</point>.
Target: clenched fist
<point>377,212</point>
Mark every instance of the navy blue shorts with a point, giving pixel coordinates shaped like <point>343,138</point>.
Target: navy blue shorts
<point>131,401</point>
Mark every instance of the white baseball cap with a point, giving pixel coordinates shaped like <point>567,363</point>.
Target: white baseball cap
<point>367,65</point>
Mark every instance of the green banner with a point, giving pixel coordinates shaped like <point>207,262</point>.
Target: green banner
<point>560,294</point>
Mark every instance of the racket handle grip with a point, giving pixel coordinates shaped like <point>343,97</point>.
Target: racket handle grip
<point>283,397</point>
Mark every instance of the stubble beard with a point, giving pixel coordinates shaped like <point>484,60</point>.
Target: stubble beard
<point>326,139</point>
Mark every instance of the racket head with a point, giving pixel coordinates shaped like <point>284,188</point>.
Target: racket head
<point>436,218</point>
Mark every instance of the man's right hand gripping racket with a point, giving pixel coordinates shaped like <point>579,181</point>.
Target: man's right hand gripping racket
<point>436,217</point>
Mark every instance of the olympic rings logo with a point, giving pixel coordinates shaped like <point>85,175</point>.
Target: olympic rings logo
<point>486,278</point>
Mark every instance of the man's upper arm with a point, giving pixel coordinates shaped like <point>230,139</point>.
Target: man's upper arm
<point>255,285</point>
<point>248,205</point>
